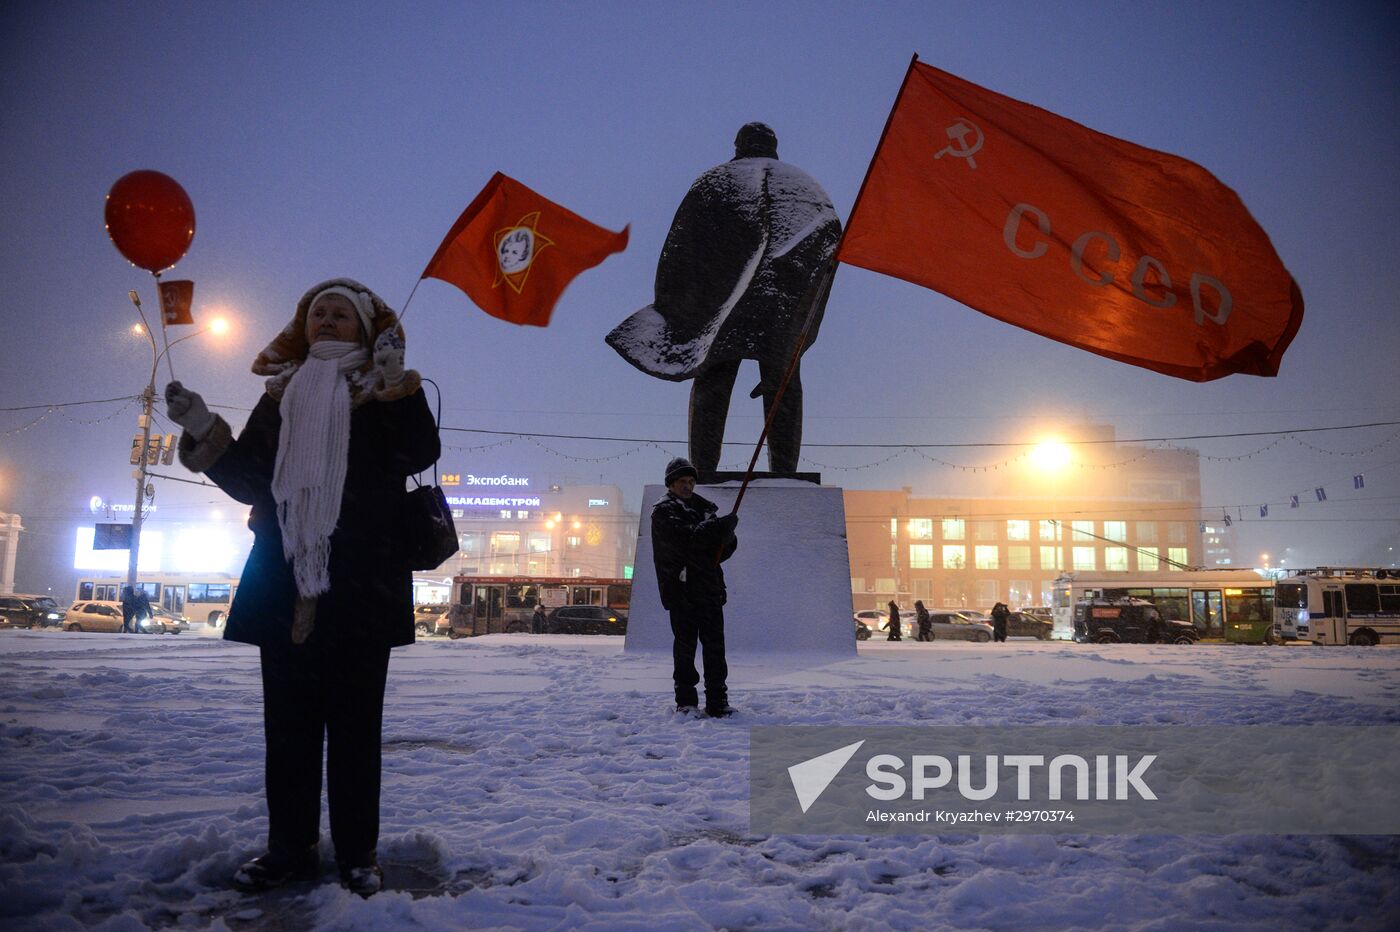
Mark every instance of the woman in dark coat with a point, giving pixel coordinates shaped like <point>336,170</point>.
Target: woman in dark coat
<point>894,623</point>
<point>325,593</point>
<point>925,622</point>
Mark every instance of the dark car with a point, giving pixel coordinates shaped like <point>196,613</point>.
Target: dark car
<point>1128,621</point>
<point>29,611</point>
<point>586,619</point>
<point>1026,625</point>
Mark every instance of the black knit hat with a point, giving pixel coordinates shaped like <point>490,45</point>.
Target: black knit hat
<point>680,466</point>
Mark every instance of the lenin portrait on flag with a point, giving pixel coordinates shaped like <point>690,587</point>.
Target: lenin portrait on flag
<point>746,259</point>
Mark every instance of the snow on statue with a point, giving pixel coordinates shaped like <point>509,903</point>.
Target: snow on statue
<point>744,262</point>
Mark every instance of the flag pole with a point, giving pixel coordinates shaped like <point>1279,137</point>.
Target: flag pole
<point>824,285</point>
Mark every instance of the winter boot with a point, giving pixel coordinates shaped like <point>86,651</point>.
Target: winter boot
<point>277,869</point>
<point>365,881</point>
<point>721,710</point>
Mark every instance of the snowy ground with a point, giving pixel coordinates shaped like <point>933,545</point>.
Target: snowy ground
<point>543,782</point>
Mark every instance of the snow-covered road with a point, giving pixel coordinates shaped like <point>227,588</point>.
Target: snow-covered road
<point>544,782</point>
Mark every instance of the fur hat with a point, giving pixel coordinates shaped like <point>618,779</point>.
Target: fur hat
<point>281,358</point>
<point>678,467</point>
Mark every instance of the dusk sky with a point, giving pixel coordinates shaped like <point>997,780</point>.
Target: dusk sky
<point>320,139</point>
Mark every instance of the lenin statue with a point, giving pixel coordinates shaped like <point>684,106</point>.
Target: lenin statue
<point>748,255</point>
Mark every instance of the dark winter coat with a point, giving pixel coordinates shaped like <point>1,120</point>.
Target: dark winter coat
<point>686,534</point>
<point>1000,615</point>
<point>896,632</point>
<point>371,587</point>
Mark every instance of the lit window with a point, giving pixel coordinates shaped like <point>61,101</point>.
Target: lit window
<point>857,584</point>
<point>1115,559</point>
<point>894,528</point>
<point>1018,529</point>
<point>1084,558</point>
<point>1178,556</point>
<point>954,556</point>
<point>1018,592</point>
<point>953,529</point>
<point>1083,530</point>
<point>1116,530</point>
<point>921,556</point>
<point>1049,530</point>
<point>1018,558</point>
<point>894,555</point>
<point>1050,558</point>
<point>987,556</point>
<point>1148,559</point>
<point>921,529</point>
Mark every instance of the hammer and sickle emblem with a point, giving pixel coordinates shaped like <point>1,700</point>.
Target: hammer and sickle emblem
<point>959,132</point>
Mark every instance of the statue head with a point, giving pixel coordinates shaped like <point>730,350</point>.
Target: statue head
<point>756,140</point>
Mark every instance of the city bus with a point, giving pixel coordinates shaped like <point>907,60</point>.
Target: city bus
<point>505,604</point>
<point>1236,605</point>
<point>198,596</point>
<point>1339,605</point>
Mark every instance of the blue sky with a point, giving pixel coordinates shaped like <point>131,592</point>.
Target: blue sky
<point>323,139</point>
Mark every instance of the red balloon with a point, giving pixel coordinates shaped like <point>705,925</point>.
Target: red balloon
<point>150,219</point>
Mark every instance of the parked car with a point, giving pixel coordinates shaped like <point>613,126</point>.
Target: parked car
<point>958,626</point>
<point>93,616</point>
<point>877,621</point>
<point>586,619</point>
<point>862,631</point>
<point>972,613</point>
<point>425,617</point>
<point>1023,624</point>
<point>442,624</point>
<point>29,611</point>
<point>1128,621</point>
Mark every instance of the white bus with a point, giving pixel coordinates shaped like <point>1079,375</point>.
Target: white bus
<point>198,596</point>
<point>1339,605</point>
<point>1237,605</point>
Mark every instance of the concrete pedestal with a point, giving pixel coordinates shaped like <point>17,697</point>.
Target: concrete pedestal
<point>789,582</point>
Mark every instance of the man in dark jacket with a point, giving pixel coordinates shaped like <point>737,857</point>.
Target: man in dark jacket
<point>1000,616</point>
<point>689,541</point>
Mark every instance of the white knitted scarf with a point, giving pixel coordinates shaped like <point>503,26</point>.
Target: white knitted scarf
<point>308,478</point>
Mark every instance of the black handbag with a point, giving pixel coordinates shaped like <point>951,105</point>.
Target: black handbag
<point>429,535</point>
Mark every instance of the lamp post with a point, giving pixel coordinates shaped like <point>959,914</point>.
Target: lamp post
<point>148,396</point>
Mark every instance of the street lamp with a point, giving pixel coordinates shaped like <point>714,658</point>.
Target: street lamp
<point>148,397</point>
<point>1050,457</point>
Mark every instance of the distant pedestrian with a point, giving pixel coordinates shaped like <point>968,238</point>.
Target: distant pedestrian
<point>1000,615</point>
<point>128,610</point>
<point>893,626</point>
<point>537,624</point>
<point>142,612</point>
<point>925,622</point>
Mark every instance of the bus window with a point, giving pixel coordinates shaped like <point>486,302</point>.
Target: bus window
<point>1291,595</point>
<point>521,596</point>
<point>1205,612</point>
<point>209,592</point>
<point>85,591</point>
<point>1390,598</point>
<point>620,597</point>
<point>1362,599</point>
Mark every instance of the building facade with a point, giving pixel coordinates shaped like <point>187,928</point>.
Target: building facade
<point>1110,508</point>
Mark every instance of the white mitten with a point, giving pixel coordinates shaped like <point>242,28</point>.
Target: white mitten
<point>388,356</point>
<point>187,409</point>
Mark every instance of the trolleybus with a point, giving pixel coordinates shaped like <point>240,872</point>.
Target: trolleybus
<point>1237,605</point>
<point>504,604</point>
<point>198,596</point>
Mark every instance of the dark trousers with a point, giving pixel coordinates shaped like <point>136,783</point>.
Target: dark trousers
<point>332,692</point>
<point>690,623</point>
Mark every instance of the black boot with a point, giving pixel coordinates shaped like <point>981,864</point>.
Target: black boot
<point>366,880</point>
<point>277,869</point>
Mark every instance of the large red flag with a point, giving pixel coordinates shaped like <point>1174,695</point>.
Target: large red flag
<point>1096,242</point>
<point>514,252</point>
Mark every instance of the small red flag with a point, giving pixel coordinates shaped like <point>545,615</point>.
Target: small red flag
<point>514,252</point>
<point>1038,221</point>
<point>176,297</point>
